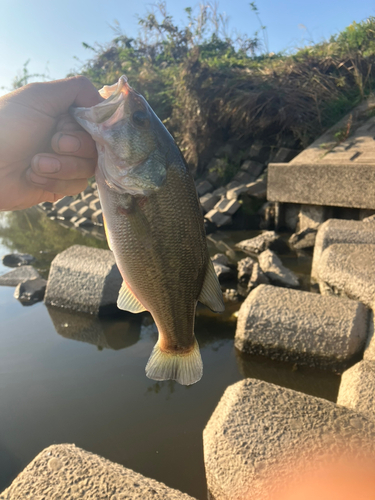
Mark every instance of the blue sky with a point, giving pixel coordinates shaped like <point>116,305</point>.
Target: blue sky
<point>51,33</point>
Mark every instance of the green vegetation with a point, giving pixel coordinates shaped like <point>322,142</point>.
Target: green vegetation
<point>208,85</point>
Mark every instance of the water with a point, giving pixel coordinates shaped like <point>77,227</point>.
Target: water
<point>70,378</point>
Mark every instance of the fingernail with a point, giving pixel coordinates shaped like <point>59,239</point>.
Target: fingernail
<point>47,165</point>
<point>69,144</point>
<point>36,179</point>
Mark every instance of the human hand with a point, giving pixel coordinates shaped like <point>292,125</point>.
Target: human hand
<point>44,153</point>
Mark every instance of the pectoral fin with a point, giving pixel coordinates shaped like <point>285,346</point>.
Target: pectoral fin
<point>211,294</point>
<point>106,233</point>
<point>127,301</point>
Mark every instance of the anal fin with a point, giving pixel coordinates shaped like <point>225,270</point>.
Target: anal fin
<point>211,294</point>
<point>127,301</point>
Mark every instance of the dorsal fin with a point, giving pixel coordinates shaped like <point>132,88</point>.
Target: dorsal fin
<point>211,294</point>
<point>127,301</point>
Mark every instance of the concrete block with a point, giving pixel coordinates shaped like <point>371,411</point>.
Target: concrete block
<point>303,239</point>
<point>311,216</point>
<point>357,389</point>
<point>349,270</point>
<point>232,185</point>
<point>220,191</point>
<point>253,168</point>
<point>275,271</point>
<point>46,206</point>
<point>340,231</point>
<point>66,212</point>
<point>257,245</point>
<point>235,192</point>
<point>369,353</point>
<point>64,471</point>
<point>301,326</point>
<point>214,178</point>
<point>218,218</point>
<point>95,204</point>
<point>337,185</point>
<point>228,207</point>
<point>18,275</point>
<point>260,433</point>
<point>77,205</point>
<point>63,202</point>
<point>83,222</point>
<point>84,279</point>
<point>208,201</point>
<point>259,152</point>
<point>225,150</point>
<point>88,198</point>
<point>257,189</point>
<point>243,177</point>
<point>204,187</point>
<point>283,155</point>
<point>85,212</point>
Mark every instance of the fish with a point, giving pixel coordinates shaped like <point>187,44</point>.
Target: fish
<point>154,226</point>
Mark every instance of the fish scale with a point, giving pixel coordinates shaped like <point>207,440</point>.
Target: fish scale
<point>154,226</point>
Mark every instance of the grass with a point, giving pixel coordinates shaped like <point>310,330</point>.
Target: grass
<point>209,87</point>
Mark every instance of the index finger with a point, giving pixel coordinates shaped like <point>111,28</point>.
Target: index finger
<point>55,98</point>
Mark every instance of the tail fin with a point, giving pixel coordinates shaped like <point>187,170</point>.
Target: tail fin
<point>186,369</point>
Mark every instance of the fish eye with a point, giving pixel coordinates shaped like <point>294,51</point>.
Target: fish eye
<point>140,118</point>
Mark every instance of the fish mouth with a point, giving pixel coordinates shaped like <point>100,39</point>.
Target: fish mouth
<point>105,113</point>
<point>109,92</point>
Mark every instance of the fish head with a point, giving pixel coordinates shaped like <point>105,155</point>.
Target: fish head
<point>127,133</point>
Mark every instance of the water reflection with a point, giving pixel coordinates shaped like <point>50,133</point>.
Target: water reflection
<point>30,231</point>
<point>320,383</point>
<point>115,333</point>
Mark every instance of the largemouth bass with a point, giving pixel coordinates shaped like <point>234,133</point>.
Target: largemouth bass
<point>154,226</point>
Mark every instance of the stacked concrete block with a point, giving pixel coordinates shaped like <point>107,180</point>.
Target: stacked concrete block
<point>357,388</point>
<point>254,168</point>
<point>95,204</point>
<point>64,471</point>
<point>348,270</point>
<point>340,231</point>
<point>302,327</point>
<point>208,201</point>
<point>204,187</point>
<point>84,279</point>
<point>77,205</point>
<point>261,435</point>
